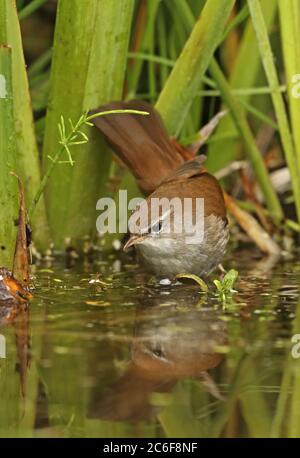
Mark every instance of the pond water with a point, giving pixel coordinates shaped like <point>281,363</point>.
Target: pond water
<point>105,351</point>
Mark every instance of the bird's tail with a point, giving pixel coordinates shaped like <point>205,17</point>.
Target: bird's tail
<point>141,142</point>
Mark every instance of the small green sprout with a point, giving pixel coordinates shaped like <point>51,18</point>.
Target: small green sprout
<point>225,287</point>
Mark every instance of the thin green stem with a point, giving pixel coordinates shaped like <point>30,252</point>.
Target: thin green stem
<point>263,90</point>
<point>292,225</point>
<point>40,63</point>
<point>104,113</point>
<point>242,91</point>
<point>259,114</point>
<point>152,58</point>
<point>238,20</point>
<point>30,8</point>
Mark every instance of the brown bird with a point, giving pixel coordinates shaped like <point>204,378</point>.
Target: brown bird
<point>164,242</point>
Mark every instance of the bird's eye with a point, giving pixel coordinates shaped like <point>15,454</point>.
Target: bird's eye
<point>157,227</point>
<point>158,352</point>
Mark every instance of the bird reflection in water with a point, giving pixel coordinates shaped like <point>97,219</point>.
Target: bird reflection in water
<point>176,338</point>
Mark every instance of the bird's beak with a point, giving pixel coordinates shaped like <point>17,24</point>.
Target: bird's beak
<point>134,239</point>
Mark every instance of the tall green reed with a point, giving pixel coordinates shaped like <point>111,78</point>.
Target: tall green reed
<point>278,102</point>
<point>8,148</point>
<point>86,72</point>
<point>27,155</point>
<point>182,85</point>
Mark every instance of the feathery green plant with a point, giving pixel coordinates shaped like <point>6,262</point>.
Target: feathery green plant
<point>74,136</point>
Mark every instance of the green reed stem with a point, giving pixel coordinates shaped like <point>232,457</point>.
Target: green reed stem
<point>289,14</point>
<point>30,8</point>
<point>182,85</point>
<point>8,187</point>
<point>28,163</point>
<point>86,72</point>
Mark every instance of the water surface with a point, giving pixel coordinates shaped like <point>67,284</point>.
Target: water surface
<point>105,351</point>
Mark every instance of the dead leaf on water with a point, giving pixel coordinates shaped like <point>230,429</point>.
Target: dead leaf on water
<point>21,258</point>
<point>11,289</point>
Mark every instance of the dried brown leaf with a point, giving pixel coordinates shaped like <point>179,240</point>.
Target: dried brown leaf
<point>21,258</point>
